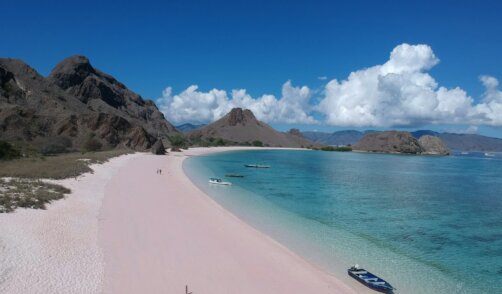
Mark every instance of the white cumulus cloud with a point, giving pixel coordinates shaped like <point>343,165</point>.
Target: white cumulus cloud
<point>399,93</point>
<point>490,110</point>
<point>192,105</point>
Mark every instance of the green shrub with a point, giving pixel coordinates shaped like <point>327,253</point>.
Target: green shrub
<point>339,149</point>
<point>28,194</point>
<point>56,146</point>
<point>257,143</point>
<point>7,151</point>
<point>178,141</point>
<point>93,145</point>
<point>218,142</point>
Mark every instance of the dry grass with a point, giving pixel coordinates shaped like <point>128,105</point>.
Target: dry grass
<point>55,167</point>
<point>28,193</point>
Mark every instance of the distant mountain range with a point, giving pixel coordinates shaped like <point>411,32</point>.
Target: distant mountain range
<point>76,107</point>
<point>240,127</point>
<point>458,142</point>
<point>185,128</point>
<point>348,137</point>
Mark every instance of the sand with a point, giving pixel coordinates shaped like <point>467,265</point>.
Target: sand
<point>126,229</point>
<point>57,250</point>
<point>160,233</point>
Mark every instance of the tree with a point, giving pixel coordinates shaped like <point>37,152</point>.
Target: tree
<point>178,141</point>
<point>92,144</point>
<point>7,151</point>
<point>257,143</point>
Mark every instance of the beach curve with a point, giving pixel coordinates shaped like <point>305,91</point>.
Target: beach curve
<point>160,233</point>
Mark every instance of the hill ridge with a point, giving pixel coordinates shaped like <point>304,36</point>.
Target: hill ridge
<point>74,105</point>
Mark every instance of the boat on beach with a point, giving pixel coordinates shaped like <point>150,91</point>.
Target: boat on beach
<point>218,181</point>
<point>257,165</point>
<point>370,280</point>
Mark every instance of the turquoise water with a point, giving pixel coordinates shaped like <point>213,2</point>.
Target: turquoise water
<point>425,224</point>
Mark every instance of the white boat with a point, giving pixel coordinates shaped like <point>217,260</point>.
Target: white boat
<point>489,155</point>
<point>217,181</point>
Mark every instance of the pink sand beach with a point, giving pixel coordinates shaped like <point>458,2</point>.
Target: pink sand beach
<point>160,233</point>
<point>127,229</point>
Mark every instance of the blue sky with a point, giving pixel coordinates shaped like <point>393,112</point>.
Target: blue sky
<point>259,45</point>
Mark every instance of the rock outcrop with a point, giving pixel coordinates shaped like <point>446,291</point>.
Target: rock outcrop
<point>295,132</point>
<point>389,142</point>
<point>75,106</point>
<point>240,127</point>
<point>432,145</point>
<point>158,148</point>
<point>400,142</point>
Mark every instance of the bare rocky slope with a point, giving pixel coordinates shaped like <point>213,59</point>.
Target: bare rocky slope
<point>433,145</point>
<point>401,142</point>
<point>241,127</point>
<point>77,107</point>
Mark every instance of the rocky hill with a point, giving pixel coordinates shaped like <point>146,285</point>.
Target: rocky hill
<point>77,107</point>
<point>400,142</point>
<point>241,127</point>
<point>466,142</point>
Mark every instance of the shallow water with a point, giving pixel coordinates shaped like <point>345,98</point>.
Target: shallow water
<point>425,224</point>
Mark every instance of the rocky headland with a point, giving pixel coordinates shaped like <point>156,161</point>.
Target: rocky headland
<point>401,142</point>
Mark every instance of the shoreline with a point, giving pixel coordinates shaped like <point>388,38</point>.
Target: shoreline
<point>180,236</point>
<point>126,229</point>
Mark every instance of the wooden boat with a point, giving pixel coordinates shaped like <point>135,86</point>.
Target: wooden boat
<point>234,176</point>
<point>257,165</point>
<point>217,181</point>
<point>370,280</point>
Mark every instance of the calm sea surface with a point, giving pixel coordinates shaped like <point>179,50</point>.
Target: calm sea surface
<point>425,224</point>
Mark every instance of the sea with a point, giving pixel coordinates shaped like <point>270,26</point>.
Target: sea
<point>425,224</point>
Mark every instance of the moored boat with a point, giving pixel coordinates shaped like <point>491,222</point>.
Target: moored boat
<point>370,280</point>
<point>257,165</point>
<point>234,176</point>
<point>218,181</point>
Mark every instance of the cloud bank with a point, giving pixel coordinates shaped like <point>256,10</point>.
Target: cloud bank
<point>194,106</point>
<point>398,93</point>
